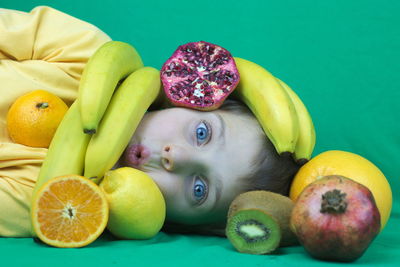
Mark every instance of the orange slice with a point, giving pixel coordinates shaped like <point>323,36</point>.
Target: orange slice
<point>69,211</point>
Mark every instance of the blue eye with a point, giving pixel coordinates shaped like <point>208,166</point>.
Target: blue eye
<point>202,133</point>
<point>199,190</point>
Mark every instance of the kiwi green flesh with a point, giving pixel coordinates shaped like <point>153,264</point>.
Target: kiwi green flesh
<point>253,231</point>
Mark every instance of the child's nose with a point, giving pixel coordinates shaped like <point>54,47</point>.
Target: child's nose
<point>173,156</point>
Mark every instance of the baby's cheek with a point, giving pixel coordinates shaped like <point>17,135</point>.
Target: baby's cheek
<point>169,186</point>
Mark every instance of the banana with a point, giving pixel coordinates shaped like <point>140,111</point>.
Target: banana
<point>306,141</point>
<point>66,153</point>
<point>270,103</point>
<point>127,107</point>
<point>106,67</point>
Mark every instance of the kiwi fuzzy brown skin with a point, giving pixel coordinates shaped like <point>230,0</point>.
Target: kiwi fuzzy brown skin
<point>275,205</point>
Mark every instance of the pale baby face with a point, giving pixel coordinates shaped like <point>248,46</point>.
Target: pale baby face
<point>196,158</point>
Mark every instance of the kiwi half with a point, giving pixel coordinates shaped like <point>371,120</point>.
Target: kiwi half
<point>253,231</point>
<point>258,222</point>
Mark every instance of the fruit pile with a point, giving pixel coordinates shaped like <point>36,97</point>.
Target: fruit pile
<point>338,200</point>
<point>70,208</point>
<point>334,217</point>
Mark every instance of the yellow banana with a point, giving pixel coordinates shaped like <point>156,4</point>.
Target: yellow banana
<point>127,107</point>
<point>66,153</point>
<point>112,62</point>
<point>306,141</point>
<point>270,103</point>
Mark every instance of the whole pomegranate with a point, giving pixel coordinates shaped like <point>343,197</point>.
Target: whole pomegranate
<point>335,218</point>
<point>199,75</point>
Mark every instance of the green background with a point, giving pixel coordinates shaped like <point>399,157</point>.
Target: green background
<point>341,57</point>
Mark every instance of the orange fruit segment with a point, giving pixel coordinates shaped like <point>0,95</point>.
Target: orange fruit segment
<point>350,165</point>
<point>69,211</point>
<point>34,117</point>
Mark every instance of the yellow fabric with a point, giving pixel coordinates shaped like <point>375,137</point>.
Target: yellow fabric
<point>43,49</point>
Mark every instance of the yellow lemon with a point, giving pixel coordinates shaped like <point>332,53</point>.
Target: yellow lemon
<point>137,206</point>
<point>350,165</point>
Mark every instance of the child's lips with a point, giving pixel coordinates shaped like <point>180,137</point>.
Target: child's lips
<point>136,155</point>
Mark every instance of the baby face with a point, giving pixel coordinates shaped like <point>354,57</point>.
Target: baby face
<point>196,158</point>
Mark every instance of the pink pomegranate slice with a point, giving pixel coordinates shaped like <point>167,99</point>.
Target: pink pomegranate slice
<point>199,75</point>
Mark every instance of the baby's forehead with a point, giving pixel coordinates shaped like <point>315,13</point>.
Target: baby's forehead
<point>243,123</point>
<point>244,139</point>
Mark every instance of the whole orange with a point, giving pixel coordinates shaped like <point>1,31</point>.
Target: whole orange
<point>350,165</point>
<point>34,117</point>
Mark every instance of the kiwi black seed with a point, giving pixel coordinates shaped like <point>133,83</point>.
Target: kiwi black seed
<point>258,222</point>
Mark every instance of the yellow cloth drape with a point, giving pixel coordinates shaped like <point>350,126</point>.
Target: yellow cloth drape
<point>43,49</point>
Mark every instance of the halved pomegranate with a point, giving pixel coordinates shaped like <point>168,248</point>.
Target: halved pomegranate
<point>199,75</point>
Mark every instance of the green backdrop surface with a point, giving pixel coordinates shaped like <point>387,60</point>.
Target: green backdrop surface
<point>342,57</point>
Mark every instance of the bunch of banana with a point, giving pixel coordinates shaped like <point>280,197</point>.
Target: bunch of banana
<point>108,66</point>
<point>112,62</point>
<point>111,116</point>
<point>127,107</point>
<point>281,113</point>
